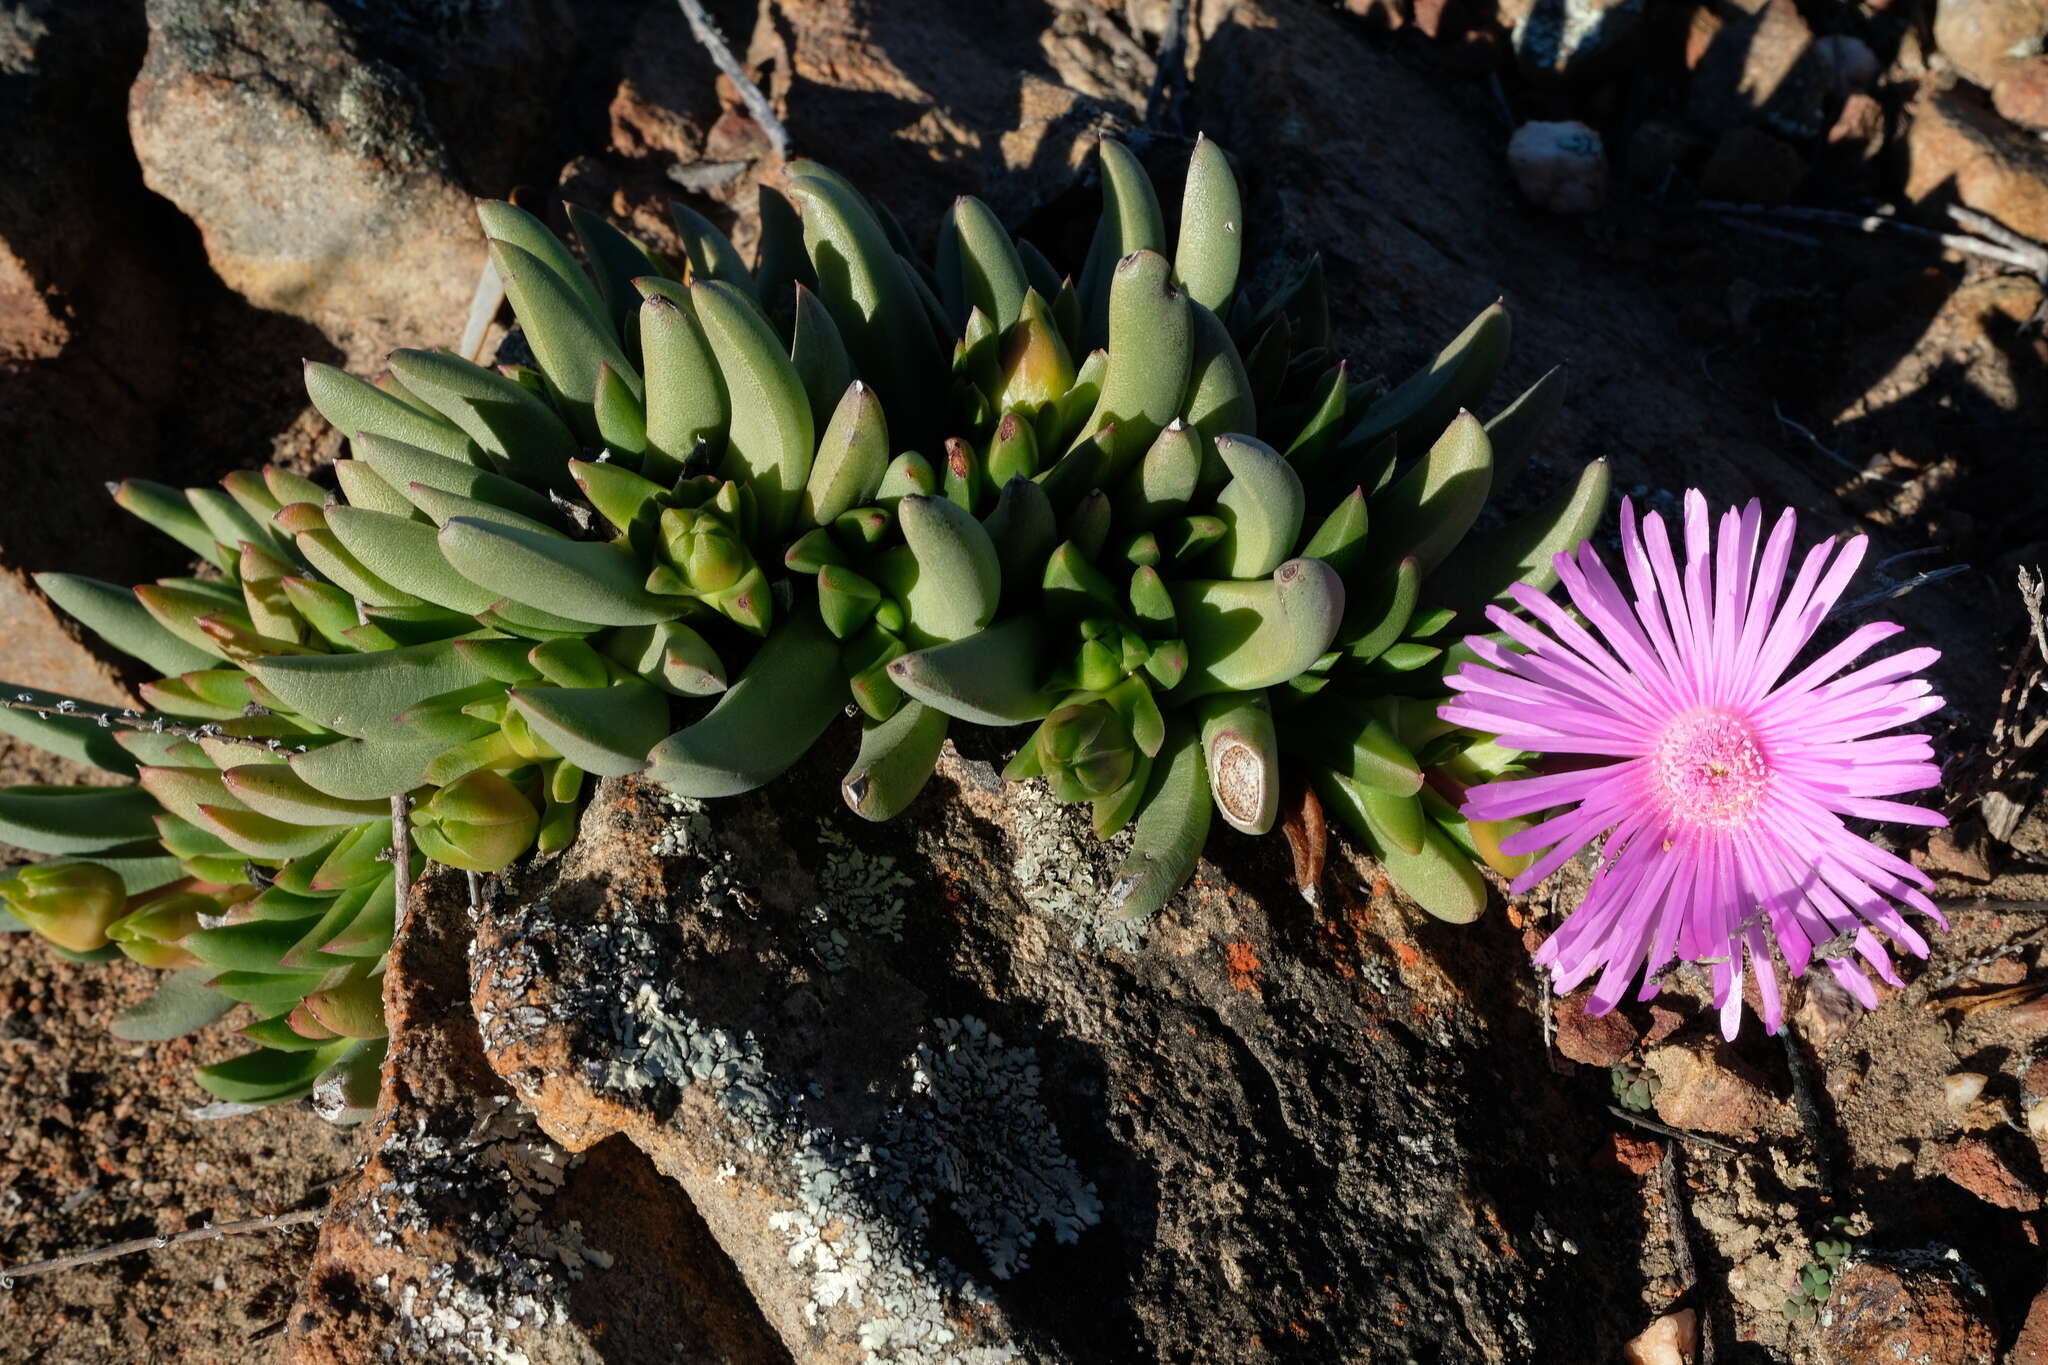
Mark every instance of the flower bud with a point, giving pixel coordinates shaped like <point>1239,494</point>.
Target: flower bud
<point>702,548</point>
<point>479,823</point>
<point>70,904</point>
<point>152,933</point>
<point>1086,751</point>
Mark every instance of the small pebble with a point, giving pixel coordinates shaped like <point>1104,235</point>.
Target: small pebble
<point>1962,1088</point>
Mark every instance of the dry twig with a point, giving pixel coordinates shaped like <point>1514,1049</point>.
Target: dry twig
<point>721,57</point>
<point>211,1232</point>
<point>2005,247</point>
<point>1651,1125</point>
<point>1170,71</point>
<point>128,718</point>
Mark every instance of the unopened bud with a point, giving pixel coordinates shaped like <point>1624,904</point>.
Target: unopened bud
<point>70,904</point>
<point>152,932</point>
<point>480,822</point>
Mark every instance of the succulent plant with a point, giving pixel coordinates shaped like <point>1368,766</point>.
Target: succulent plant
<point>1163,527</point>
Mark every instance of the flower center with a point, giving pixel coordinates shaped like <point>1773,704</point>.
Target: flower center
<point>1709,768</point>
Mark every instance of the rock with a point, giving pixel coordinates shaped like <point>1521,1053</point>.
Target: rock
<point>467,1235</point>
<point>91,324</point>
<point>1596,1040</point>
<point>1983,37</point>
<point>1670,1340</point>
<point>1750,166</point>
<point>1579,40</point>
<point>1846,63</point>
<point>1700,1093</point>
<point>1957,149</point>
<point>1985,1171</point>
<point>316,180</point>
<point>1926,1307</point>
<point>1560,167</point>
<point>1637,1156</point>
<point>1954,853</point>
<point>889,1116</point>
<point>1760,65</point>
<point>1658,150</point>
<point>2030,1347</point>
<point>2022,92</point>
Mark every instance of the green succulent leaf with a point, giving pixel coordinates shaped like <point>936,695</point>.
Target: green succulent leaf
<point>505,222</point>
<point>852,458</point>
<point>180,1004</point>
<point>769,444</point>
<point>993,677</point>
<point>63,821</point>
<point>868,291</point>
<point>1429,510</point>
<point>1241,752</point>
<point>1458,378</point>
<point>268,1075</point>
<point>896,759</point>
<point>669,655</point>
<point>604,730</point>
<point>1482,571</point>
<point>1150,357</point>
<point>1131,222</point>
<point>575,580</point>
<point>516,430</point>
<point>687,403</point>
<point>711,253</point>
<point>1173,825</point>
<point>1243,636</point>
<point>781,704</point>
<point>1262,508</point>
<point>1220,397</point>
<point>407,555</point>
<point>1436,876</point>
<point>570,342</point>
<point>115,615</point>
<point>979,266</point>
<point>1205,258</point>
<point>274,790</point>
<point>353,406</point>
<point>958,580</point>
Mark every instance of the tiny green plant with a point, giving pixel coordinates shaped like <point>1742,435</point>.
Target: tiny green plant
<point>1817,1276</point>
<point>1635,1087</point>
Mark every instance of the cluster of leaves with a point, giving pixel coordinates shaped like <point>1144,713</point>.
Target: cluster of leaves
<point>1817,1276</point>
<point>1161,525</point>
<point>1635,1086</point>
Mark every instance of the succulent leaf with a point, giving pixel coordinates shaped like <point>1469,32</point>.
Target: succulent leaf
<point>989,678</point>
<point>570,579</point>
<point>1242,759</point>
<point>896,759</point>
<point>115,615</point>
<point>352,406</point>
<point>1262,508</point>
<point>1484,571</point>
<point>604,730</point>
<point>1205,258</point>
<point>1172,827</point>
<point>781,703</point>
<point>1426,513</point>
<point>1130,222</point>
<point>1243,636</point>
<point>1458,378</point>
<point>769,443</point>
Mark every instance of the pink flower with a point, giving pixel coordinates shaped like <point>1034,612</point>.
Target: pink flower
<point>1719,785</point>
